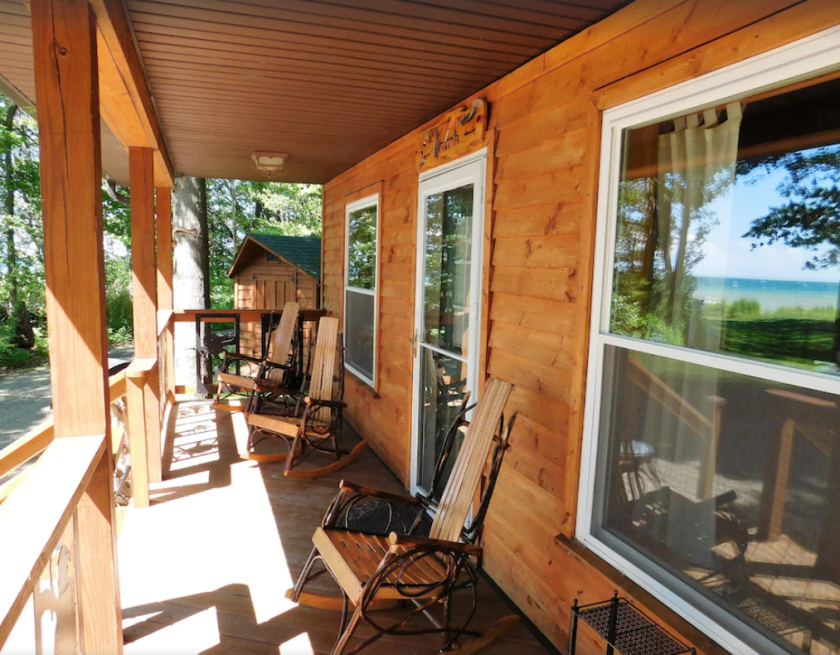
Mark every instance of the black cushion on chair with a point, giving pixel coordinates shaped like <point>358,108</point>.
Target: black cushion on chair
<point>373,518</point>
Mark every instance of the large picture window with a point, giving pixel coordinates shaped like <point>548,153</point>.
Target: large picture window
<point>712,449</point>
<point>360,288</point>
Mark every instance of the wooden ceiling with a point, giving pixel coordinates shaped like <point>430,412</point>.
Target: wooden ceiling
<point>17,79</point>
<point>329,82</point>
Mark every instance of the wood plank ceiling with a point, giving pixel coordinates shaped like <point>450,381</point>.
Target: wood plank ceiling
<point>329,82</point>
<point>17,78</point>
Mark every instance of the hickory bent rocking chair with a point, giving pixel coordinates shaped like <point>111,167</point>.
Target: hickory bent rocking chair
<point>309,419</point>
<point>375,571</point>
<point>273,369</point>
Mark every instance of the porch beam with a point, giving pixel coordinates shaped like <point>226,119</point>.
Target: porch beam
<point>67,85</point>
<point>126,100</point>
<point>144,288</point>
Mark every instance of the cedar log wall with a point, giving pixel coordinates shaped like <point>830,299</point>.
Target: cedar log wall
<point>543,141</point>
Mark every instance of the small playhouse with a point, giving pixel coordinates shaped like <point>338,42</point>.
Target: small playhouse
<point>270,270</point>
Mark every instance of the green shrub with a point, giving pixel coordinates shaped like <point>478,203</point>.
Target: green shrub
<point>744,308</point>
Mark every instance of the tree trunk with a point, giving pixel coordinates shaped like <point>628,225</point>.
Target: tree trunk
<point>9,206</point>
<point>191,269</point>
<point>234,209</point>
<point>24,336</point>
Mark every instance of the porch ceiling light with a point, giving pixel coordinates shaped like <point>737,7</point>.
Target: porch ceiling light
<point>269,162</point>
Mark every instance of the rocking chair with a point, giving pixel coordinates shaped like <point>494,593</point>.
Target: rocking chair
<point>309,419</point>
<point>270,370</point>
<point>377,572</point>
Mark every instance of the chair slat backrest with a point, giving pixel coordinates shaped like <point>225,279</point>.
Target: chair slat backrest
<point>281,340</point>
<point>463,482</point>
<point>324,363</point>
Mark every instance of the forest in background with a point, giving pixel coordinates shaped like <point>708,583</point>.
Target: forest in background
<point>233,208</point>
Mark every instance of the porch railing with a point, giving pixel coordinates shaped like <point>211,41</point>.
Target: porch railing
<point>55,522</point>
<point>36,441</point>
<point>251,318</point>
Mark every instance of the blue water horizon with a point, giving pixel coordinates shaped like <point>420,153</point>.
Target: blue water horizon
<point>771,294</point>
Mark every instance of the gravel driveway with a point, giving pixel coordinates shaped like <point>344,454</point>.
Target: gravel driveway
<point>25,398</point>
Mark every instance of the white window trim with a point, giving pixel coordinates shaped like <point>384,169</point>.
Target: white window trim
<point>802,59</point>
<point>448,174</point>
<point>363,203</point>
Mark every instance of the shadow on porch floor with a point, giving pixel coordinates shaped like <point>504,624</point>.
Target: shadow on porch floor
<point>206,567</point>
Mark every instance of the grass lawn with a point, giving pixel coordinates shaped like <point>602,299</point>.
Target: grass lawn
<point>798,342</point>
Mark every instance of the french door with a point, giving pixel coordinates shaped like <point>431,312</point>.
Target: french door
<point>449,265</point>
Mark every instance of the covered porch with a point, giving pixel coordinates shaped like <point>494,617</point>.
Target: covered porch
<point>506,100</point>
<point>206,567</point>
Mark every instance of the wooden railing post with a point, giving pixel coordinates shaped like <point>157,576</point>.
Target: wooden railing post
<point>144,286</point>
<point>99,620</point>
<point>163,205</point>
<point>139,378</point>
<point>67,85</point>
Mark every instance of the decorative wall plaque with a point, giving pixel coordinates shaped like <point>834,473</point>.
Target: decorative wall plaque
<point>459,132</point>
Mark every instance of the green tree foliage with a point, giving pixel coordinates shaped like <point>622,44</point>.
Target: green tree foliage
<point>810,217</point>
<point>361,259</point>
<point>234,209</point>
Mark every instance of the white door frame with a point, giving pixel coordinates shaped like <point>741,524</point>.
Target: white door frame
<point>469,169</point>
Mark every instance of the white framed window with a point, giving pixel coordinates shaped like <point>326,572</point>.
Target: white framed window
<point>360,287</point>
<point>711,452</point>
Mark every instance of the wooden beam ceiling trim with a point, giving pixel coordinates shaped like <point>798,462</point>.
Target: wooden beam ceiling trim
<point>17,66</point>
<point>125,98</point>
<point>11,91</point>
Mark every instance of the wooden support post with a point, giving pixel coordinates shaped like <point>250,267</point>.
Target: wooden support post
<point>144,281</point>
<point>709,452</point>
<point>137,442</point>
<point>163,204</point>
<point>67,85</point>
<point>100,621</point>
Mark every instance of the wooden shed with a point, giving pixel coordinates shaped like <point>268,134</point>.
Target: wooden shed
<point>270,270</point>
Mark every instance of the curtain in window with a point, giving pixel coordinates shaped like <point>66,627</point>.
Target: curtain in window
<point>696,172</point>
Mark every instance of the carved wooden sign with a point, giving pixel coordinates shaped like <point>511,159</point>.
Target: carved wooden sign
<point>459,132</point>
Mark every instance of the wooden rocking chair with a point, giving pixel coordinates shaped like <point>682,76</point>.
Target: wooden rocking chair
<point>310,418</point>
<point>375,571</point>
<point>272,369</point>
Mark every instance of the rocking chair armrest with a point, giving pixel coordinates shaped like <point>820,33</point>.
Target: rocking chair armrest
<point>398,540</point>
<point>337,404</point>
<point>225,355</point>
<point>376,493</point>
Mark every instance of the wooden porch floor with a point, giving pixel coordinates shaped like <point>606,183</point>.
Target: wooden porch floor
<point>206,567</point>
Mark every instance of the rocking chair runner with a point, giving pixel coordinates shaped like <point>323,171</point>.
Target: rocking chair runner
<point>272,369</point>
<point>311,417</point>
<point>375,571</point>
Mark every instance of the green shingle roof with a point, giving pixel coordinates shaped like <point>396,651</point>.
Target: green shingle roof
<point>303,252</point>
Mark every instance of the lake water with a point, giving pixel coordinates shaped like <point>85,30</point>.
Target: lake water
<point>771,294</point>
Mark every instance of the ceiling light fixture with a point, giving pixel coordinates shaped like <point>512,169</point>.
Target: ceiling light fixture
<point>269,162</point>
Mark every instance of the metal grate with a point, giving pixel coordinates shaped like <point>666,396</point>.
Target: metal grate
<point>756,608</point>
<point>626,629</point>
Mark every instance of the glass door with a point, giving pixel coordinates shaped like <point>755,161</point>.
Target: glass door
<point>450,228</point>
